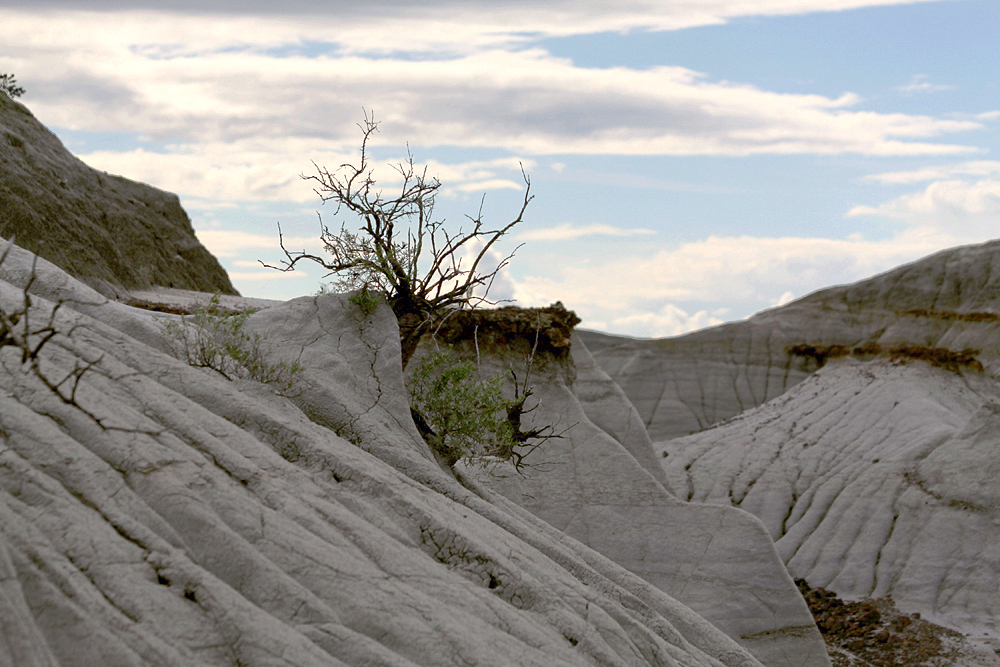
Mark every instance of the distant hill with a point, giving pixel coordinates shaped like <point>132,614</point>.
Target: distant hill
<point>685,384</point>
<point>106,230</point>
<point>861,424</point>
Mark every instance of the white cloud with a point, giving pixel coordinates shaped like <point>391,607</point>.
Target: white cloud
<point>960,202</point>
<point>491,184</point>
<point>265,274</point>
<point>186,28</point>
<point>239,108</point>
<point>215,175</point>
<point>919,84</point>
<point>568,231</point>
<point>785,298</point>
<point>670,320</point>
<point>938,172</point>
<point>966,210</point>
<point>648,292</point>
<point>229,243</point>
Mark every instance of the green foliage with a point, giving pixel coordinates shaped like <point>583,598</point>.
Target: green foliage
<point>463,416</point>
<point>213,337</point>
<point>8,84</point>
<point>366,300</point>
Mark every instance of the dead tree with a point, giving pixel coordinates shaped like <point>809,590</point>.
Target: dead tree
<point>401,250</point>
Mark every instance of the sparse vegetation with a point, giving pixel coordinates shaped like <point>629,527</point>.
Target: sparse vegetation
<point>213,337</point>
<point>366,300</point>
<point>952,360</point>
<point>400,250</point>
<point>442,380</point>
<point>8,85</point>
<point>459,414</point>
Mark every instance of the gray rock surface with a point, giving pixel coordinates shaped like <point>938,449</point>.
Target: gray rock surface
<point>108,231</point>
<point>595,484</point>
<point>683,385</point>
<point>874,478</point>
<point>182,519</point>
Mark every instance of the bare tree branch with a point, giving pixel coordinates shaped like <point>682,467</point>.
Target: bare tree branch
<point>400,249</point>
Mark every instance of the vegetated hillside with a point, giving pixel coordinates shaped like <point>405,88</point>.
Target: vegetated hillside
<point>106,230</point>
<point>950,300</point>
<point>600,483</point>
<point>152,513</point>
<point>876,479</point>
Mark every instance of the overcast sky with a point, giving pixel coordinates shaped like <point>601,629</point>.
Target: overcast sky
<point>694,161</point>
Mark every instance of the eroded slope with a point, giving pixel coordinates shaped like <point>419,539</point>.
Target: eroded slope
<point>184,519</point>
<point>686,384</point>
<point>874,478</point>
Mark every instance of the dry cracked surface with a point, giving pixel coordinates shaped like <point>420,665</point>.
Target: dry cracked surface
<point>874,479</point>
<point>168,523</point>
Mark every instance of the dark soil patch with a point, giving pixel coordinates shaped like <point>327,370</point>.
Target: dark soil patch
<point>873,633</point>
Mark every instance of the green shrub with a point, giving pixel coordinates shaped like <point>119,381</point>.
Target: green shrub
<point>460,414</point>
<point>213,337</point>
<point>366,300</point>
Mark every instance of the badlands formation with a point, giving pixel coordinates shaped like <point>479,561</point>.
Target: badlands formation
<point>167,516</point>
<point>153,513</point>
<point>876,475</point>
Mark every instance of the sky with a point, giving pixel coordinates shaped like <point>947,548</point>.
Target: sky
<point>693,161</point>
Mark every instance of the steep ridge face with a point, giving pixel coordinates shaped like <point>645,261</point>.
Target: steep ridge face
<point>876,479</point>
<point>158,514</point>
<point>108,231</point>
<point>686,384</point>
<point>602,486</point>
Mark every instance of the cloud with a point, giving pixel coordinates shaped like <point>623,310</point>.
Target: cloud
<point>265,274</point>
<point>785,298</point>
<point>919,84</point>
<point>960,202</point>
<point>938,172</point>
<point>229,243</point>
<point>654,292</point>
<point>669,320</point>
<point>963,209</point>
<point>568,231</point>
<point>225,83</point>
<point>216,175</point>
<point>447,26</point>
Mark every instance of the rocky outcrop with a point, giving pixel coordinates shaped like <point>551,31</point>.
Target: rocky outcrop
<point>876,475</point>
<point>598,482</point>
<point>162,515</point>
<point>682,385</point>
<point>108,231</point>
<point>875,479</point>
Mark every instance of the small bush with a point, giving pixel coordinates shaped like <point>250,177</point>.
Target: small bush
<point>8,84</point>
<point>366,300</point>
<point>213,337</point>
<point>460,414</point>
